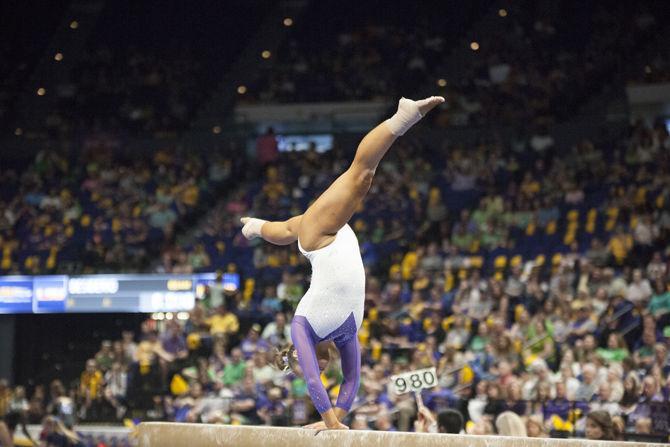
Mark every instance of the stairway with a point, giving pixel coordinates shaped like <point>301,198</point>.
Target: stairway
<point>272,32</point>
<point>69,40</point>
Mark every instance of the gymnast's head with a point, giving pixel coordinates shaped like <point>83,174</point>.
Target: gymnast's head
<point>286,359</point>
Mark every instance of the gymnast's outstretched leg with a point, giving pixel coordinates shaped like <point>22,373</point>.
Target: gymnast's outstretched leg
<point>333,209</point>
<point>317,227</point>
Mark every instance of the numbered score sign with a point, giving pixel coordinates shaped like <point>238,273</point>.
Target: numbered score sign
<point>414,381</point>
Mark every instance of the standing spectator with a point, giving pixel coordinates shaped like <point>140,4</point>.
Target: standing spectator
<point>644,235</point>
<point>105,357</point>
<point>116,380</point>
<point>19,402</point>
<point>5,397</point>
<point>60,404</point>
<point>91,385</point>
<point>216,292</point>
<point>267,150</point>
<point>129,345</point>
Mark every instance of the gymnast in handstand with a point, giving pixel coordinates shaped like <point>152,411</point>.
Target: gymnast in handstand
<point>331,312</point>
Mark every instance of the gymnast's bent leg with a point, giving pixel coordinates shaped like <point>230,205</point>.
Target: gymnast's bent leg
<point>305,341</point>
<point>350,355</point>
<point>333,209</point>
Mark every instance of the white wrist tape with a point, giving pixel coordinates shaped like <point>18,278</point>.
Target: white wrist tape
<point>252,227</point>
<point>407,115</point>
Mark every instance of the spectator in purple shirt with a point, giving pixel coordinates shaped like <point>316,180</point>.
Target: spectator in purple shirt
<point>253,342</point>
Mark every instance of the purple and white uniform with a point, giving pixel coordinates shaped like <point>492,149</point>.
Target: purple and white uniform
<point>332,309</point>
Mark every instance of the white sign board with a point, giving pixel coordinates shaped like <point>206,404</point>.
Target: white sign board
<point>413,381</point>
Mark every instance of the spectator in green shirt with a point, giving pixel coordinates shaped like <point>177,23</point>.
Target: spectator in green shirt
<point>659,305</point>
<point>616,349</point>
<point>234,371</point>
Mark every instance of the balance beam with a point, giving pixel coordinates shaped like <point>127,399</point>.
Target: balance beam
<point>163,434</point>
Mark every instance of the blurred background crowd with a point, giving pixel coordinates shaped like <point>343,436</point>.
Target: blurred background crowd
<point>531,273</point>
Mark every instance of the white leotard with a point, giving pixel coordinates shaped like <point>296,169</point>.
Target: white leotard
<point>338,284</point>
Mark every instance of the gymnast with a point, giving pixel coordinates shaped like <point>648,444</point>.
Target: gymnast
<point>331,312</point>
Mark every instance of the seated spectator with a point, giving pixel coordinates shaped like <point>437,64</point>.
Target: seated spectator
<point>639,290</point>
<point>616,350</point>
<point>494,402</point>
<point>246,402</point>
<point>659,305</point>
<point>185,405</point>
<point>510,424</point>
<point>588,386</point>
<point>599,426</point>
<point>644,354</point>
<point>173,341</point>
<point>235,369</point>
<point>261,370</point>
<point>559,406</point>
<point>223,323</point>
<point>650,393</point>
<point>643,426</point>
<point>277,332</point>
<point>273,410</point>
<point>270,304</point>
<point>535,427</point>
<point>603,401</point>
<point>253,343</point>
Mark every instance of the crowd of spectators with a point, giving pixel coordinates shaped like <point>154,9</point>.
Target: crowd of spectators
<point>535,284</point>
<point>537,60</point>
<point>533,277</point>
<point>142,70</point>
<point>102,212</point>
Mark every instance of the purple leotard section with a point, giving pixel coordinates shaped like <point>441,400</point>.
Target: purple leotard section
<point>346,340</point>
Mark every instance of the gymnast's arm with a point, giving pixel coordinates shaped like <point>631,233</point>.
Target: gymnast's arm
<point>278,233</point>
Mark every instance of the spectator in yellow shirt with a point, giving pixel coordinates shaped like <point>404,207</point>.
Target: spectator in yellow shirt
<point>223,323</point>
<point>5,397</point>
<point>91,380</point>
<point>620,245</point>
